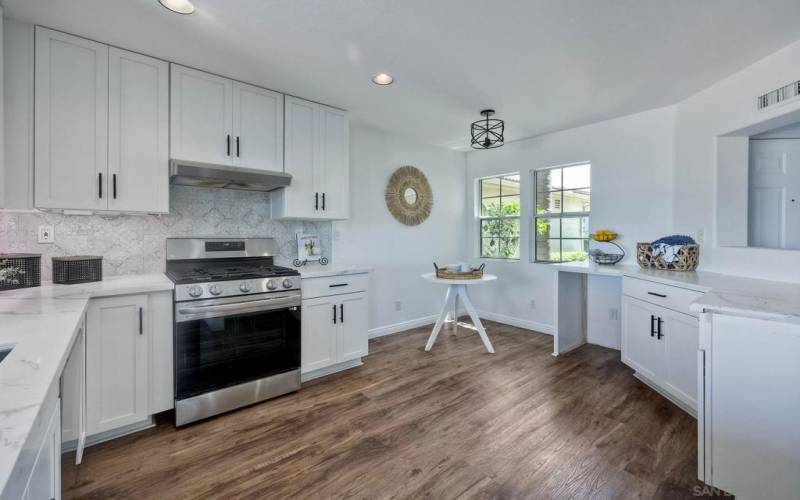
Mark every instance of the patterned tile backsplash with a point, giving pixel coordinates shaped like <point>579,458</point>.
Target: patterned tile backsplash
<point>135,244</point>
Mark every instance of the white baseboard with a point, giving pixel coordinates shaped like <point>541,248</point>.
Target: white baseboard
<point>329,370</point>
<point>402,326</point>
<point>520,323</point>
<point>429,320</point>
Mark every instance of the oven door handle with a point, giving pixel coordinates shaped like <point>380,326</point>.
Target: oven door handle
<point>210,311</point>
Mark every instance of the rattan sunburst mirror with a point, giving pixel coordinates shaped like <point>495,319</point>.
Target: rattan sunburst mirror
<point>409,196</point>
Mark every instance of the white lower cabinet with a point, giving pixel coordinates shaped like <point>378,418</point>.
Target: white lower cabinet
<point>121,372</point>
<point>334,326</point>
<point>661,345</point>
<point>45,479</point>
<point>116,371</point>
<point>353,326</point>
<point>73,396</point>
<point>749,406</point>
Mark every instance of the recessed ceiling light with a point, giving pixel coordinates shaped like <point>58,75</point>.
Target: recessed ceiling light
<point>382,79</point>
<point>179,6</point>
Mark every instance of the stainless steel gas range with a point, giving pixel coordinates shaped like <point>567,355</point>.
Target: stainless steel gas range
<point>237,325</point>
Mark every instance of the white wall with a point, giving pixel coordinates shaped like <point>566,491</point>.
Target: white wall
<point>398,253</point>
<point>632,174</point>
<point>727,106</point>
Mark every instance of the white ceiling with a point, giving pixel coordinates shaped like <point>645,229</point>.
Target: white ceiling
<point>544,65</point>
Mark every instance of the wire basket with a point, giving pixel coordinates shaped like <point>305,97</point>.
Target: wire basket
<point>606,259</point>
<point>20,270</point>
<point>78,269</point>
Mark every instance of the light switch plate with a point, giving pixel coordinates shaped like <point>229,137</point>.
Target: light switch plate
<point>46,234</point>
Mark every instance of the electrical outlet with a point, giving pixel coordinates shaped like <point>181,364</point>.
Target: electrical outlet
<point>533,304</point>
<point>46,234</point>
<point>613,314</point>
<point>398,306</point>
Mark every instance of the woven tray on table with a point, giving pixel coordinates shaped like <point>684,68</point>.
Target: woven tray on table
<point>473,274</point>
<point>686,259</point>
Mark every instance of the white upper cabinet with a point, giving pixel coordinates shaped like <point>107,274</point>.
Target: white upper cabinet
<point>221,121</point>
<point>101,137</point>
<point>257,128</point>
<point>71,122</point>
<point>138,140</point>
<point>318,157</point>
<point>201,116</point>
<point>335,162</point>
<point>301,199</point>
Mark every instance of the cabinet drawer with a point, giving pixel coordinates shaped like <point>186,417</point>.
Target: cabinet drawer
<point>334,285</point>
<point>671,297</point>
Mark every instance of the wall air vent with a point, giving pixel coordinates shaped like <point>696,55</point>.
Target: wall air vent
<point>779,95</point>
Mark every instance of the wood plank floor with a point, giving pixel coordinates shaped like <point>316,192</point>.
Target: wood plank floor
<point>453,423</point>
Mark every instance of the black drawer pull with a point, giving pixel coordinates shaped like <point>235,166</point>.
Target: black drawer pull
<point>337,285</point>
<point>114,184</point>
<point>323,201</point>
<point>100,185</point>
<point>334,314</point>
<point>141,328</point>
<point>316,201</point>
<point>228,145</point>
<point>341,313</point>
<point>657,294</point>
<point>652,326</point>
<point>658,332</point>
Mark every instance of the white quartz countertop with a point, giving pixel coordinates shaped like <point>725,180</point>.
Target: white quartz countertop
<point>324,271</point>
<point>723,293</point>
<point>41,323</point>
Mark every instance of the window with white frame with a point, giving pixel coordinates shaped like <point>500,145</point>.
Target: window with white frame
<point>499,216</point>
<point>561,213</point>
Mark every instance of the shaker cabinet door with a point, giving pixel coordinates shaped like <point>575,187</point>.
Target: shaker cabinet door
<point>353,326</point>
<point>334,170</point>
<point>71,122</point>
<point>138,133</point>
<point>257,128</point>
<point>641,349</point>
<point>680,357</point>
<point>319,330</point>
<point>201,116</point>
<point>117,364</point>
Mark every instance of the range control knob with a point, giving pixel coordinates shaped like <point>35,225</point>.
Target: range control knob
<point>287,283</point>
<point>244,286</point>
<point>215,290</point>
<point>271,285</point>
<point>195,291</point>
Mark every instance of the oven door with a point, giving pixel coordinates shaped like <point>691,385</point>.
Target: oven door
<point>224,342</point>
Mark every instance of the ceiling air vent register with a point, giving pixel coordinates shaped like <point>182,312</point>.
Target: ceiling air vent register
<point>779,95</point>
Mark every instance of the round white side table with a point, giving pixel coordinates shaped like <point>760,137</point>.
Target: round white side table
<point>458,289</point>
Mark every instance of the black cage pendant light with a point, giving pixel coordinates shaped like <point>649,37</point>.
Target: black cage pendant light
<point>487,133</point>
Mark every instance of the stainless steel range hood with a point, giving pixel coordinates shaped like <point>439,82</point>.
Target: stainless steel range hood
<point>193,173</point>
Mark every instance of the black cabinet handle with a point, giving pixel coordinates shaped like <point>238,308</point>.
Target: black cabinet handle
<point>228,142</point>
<point>323,201</point>
<point>141,328</point>
<point>658,332</point>
<point>100,185</point>
<point>341,313</point>
<point>114,185</point>
<point>334,314</point>
<point>237,146</point>
<point>657,294</point>
<point>316,201</point>
<point>337,285</point>
<point>652,325</point>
